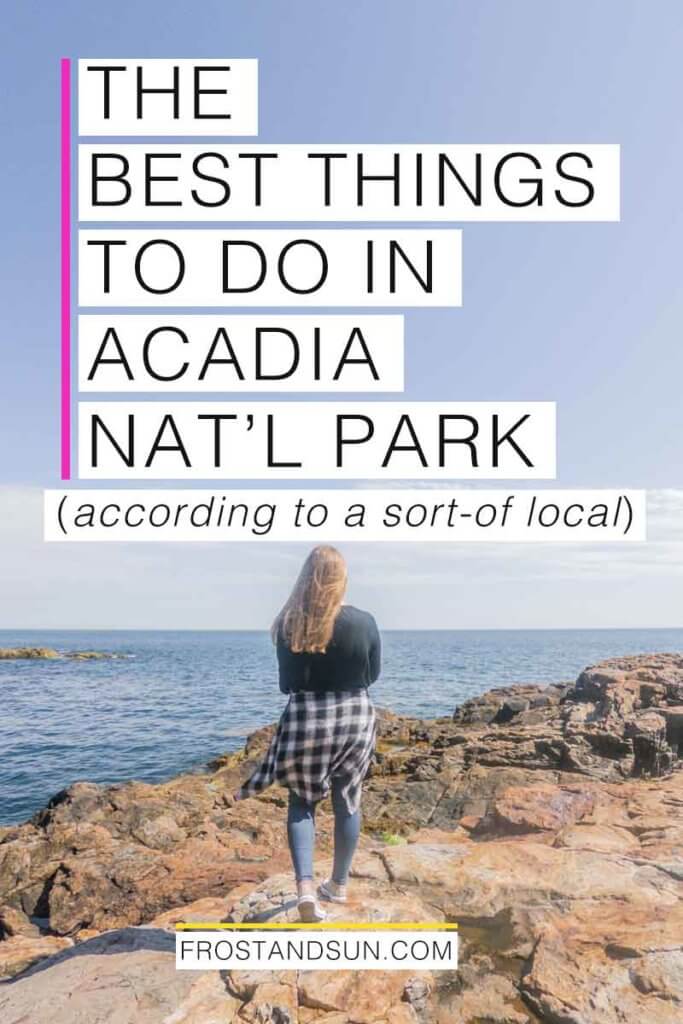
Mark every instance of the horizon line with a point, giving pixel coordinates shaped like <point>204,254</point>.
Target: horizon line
<point>384,629</point>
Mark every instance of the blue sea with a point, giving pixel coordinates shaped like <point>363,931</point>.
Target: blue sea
<point>177,699</point>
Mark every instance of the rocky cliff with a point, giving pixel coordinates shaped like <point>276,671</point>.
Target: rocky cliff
<point>547,821</point>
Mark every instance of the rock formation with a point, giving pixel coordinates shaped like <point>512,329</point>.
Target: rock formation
<point>546,821</point>
<point>49,654</point>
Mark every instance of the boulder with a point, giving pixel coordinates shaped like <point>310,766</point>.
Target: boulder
<point>652,755</point>
<point>616,966</point>
<point>537,808</point>
<point>102,857</point>
<point>19,952</point>
<point>126,976</point>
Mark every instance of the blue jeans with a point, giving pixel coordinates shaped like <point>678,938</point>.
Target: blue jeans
<point>301,835</point>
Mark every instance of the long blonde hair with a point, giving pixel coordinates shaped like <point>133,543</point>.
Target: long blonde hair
<point>306,621</point>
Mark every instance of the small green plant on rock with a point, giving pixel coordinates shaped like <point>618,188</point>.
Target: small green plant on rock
<point>392,839</point>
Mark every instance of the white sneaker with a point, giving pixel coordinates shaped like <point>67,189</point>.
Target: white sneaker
<point>310,910</point>
<point>329,890</point>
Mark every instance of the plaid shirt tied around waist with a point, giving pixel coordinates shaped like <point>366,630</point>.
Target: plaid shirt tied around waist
<point>320,736</point>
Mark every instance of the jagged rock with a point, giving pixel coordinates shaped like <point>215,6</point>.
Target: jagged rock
<point>554,836</point>
<point>501,704</point>
<point>509,708</point>
<point>19,952</point>
<point>537,808</point>
<point>571,932</point>
<point>621,964</point>
<point>652,755</point>
<point>14,922</point>
<point>483,995</point>
<point>674,726</point>
<point>101,857</point>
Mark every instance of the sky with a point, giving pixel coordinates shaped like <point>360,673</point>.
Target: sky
<point>587,315</point>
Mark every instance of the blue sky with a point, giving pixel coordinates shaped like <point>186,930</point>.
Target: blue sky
<point>588,315</point>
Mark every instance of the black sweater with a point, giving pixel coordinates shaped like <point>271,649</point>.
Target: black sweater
<point>352,660</point>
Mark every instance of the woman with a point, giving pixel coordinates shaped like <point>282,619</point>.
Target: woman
<point>328,655</point>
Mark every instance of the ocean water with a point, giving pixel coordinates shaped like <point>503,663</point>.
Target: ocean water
<point>177,699</point>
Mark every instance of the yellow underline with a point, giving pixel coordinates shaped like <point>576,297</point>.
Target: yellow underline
<point>364,926</point>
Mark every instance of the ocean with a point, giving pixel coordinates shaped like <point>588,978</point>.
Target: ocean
<point>177,699</point>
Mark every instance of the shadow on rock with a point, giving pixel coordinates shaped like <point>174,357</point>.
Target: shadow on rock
<point>119,942</point>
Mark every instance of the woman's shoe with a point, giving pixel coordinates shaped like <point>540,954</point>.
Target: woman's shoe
<point>310,910</point>
<point>329,890</point>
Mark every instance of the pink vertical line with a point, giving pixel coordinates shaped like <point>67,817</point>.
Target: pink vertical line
<point>66,267</point>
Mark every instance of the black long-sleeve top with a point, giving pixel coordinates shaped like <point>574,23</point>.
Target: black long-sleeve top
<point>352,660</point>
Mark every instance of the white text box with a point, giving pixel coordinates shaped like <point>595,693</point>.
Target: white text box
<point>206,97</point>
<point>443,515</point>
<point>214,182</point>
<point>360,949</point>
<point>210,267</point>
<point>208,353</point>
<point>316,440</point>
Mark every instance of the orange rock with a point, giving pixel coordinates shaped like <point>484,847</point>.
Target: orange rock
<point>21,951</point>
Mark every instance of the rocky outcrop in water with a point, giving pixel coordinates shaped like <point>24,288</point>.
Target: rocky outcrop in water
<point>547,821</point>
<point>49,654</point>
